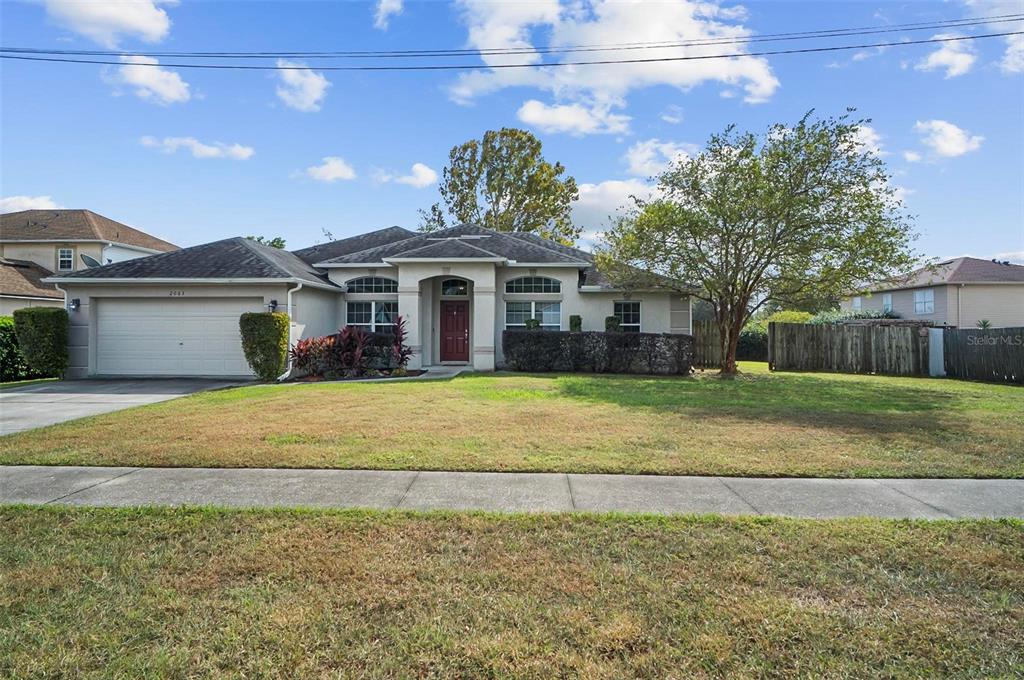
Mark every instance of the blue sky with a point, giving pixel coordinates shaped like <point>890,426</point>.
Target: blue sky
<point>193,156</point>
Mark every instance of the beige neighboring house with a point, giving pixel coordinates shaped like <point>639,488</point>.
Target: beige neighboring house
<point>958,293</point>
<point>35,244</point>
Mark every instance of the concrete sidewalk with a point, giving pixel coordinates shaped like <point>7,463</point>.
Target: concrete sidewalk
<point>513,492</point>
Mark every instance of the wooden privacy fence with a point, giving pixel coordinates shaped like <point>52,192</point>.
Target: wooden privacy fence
<point>707,348</point>
<point>993,354</point>
<point>889,350</point>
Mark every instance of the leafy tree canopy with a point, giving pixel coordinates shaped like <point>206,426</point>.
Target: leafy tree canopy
<point>799,214</point>
<point>275,242</point>
<point>503,182</point>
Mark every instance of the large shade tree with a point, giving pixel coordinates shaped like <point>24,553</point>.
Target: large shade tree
<point>801,213</point>
<point>504,183</point>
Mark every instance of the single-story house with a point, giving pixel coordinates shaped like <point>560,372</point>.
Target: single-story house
<point>956,293</point>
<point>36,243</point>
<point>177,313</point>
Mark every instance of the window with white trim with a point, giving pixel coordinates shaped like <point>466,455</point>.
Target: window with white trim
<point>375,316</point>
<point>372,284</point>
<point>628,313</point>
<point>548,313</point>
<point>924,301</point>
<point>856,303</point>
<point>886,302</point>
<point>533,284</point>
<point>454,287</point>
<point>65,259</point>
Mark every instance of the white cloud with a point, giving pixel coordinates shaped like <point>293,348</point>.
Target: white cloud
<point>602,88</point>
<point>302,89</point>
<point>151,82</point>
<point>946,139</point>
<point>1016,256</point>
<point>911,156</point>
<point>956,58</point>
<point>672,115</point>
<point>107,22</point>
<point>653,157</point>
<point>331,169</point>
<point>575,119</point>
<point>385,9</point>
<point>15,203</point>
<point>868,138</point>
<point>199,149</point>
<point>598,202</point>
<point>1013,58</point>
<point>420,176</point>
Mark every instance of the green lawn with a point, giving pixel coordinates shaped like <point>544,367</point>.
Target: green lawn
<point>23,383</point>
<point>784,424</point>
<point>208,593</point>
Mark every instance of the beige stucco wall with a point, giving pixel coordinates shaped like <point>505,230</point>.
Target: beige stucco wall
<point>82,332</point>
<point>314,312</point>
<point>1001,304</point>
<point>45,254</point>
<point>958,305</point>
<point>9,304</point>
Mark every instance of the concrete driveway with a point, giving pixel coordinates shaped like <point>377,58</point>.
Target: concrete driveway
<point>32,406</point>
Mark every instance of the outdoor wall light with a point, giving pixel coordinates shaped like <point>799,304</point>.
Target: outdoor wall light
<point>273,305</point>
<point>74,304</point>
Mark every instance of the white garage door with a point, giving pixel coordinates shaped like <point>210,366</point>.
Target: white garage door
<point>155,336</point>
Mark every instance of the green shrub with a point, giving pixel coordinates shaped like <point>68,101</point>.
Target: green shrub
<point>43,339</point>
<point>595,352</point>
<point>12,363</point>
<point>612,324</point>
<point>840,315</point>
<point>575,323</point>
<point>265,342</point>
<point>532,324</point>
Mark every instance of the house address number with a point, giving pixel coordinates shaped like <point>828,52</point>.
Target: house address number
<point>176,293</point>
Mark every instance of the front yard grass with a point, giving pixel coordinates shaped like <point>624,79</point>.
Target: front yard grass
<point>217,593</point>
<point>761,424</point>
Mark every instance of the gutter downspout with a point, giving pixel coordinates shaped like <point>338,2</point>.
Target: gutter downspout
<point>291,322</point>
<point>959,294</point>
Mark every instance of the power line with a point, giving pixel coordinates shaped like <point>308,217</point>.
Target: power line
<point>771,37</point>
<point>485,67</point>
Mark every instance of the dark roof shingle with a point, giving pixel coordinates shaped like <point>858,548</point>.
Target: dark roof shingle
<point>353,244</point>
<point>958,270</point>
<point>74,225</point>
<point>232,258</point>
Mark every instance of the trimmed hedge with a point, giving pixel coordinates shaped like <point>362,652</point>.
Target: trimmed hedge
<point>12,362</point>
<point>595,352</point>
<point>575,323</point>
<point>265,342</point>
<point>43,339</point>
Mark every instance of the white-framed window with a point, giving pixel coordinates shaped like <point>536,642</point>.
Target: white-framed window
<point>924,301</point>
<point>886,302</point>
<point>372,284</point>
<point>373,315</point>
<point>454,287</point>
<point>533,284</point>
<point>628,312</point>
<point>856,303</point>
<point>65,259</point>
<point>548,313</point>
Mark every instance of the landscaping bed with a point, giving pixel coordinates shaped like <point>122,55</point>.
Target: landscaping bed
<point>211,593</point>
<point>761,424</point>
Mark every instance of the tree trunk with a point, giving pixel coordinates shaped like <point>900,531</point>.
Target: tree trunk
<point>729,356</point>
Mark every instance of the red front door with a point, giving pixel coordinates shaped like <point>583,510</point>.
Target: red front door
<point>454,330</point>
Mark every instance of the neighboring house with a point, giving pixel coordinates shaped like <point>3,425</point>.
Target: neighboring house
<point>57,239</point>
<point>177,313</point>
<point>958,292</point>
<point>21,285</point>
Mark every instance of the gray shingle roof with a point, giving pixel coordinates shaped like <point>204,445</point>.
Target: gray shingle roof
<point>74,225</point>
<point>232,258</point>
<point>24,278</point>
<point>958,270</point>
<point>455,249</point>
<point>499,244</point>
<point>345,246</point>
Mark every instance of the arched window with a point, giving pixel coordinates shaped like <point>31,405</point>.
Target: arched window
<point>372,284</point>
<point>533,284</point>
<point>454,287</point>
